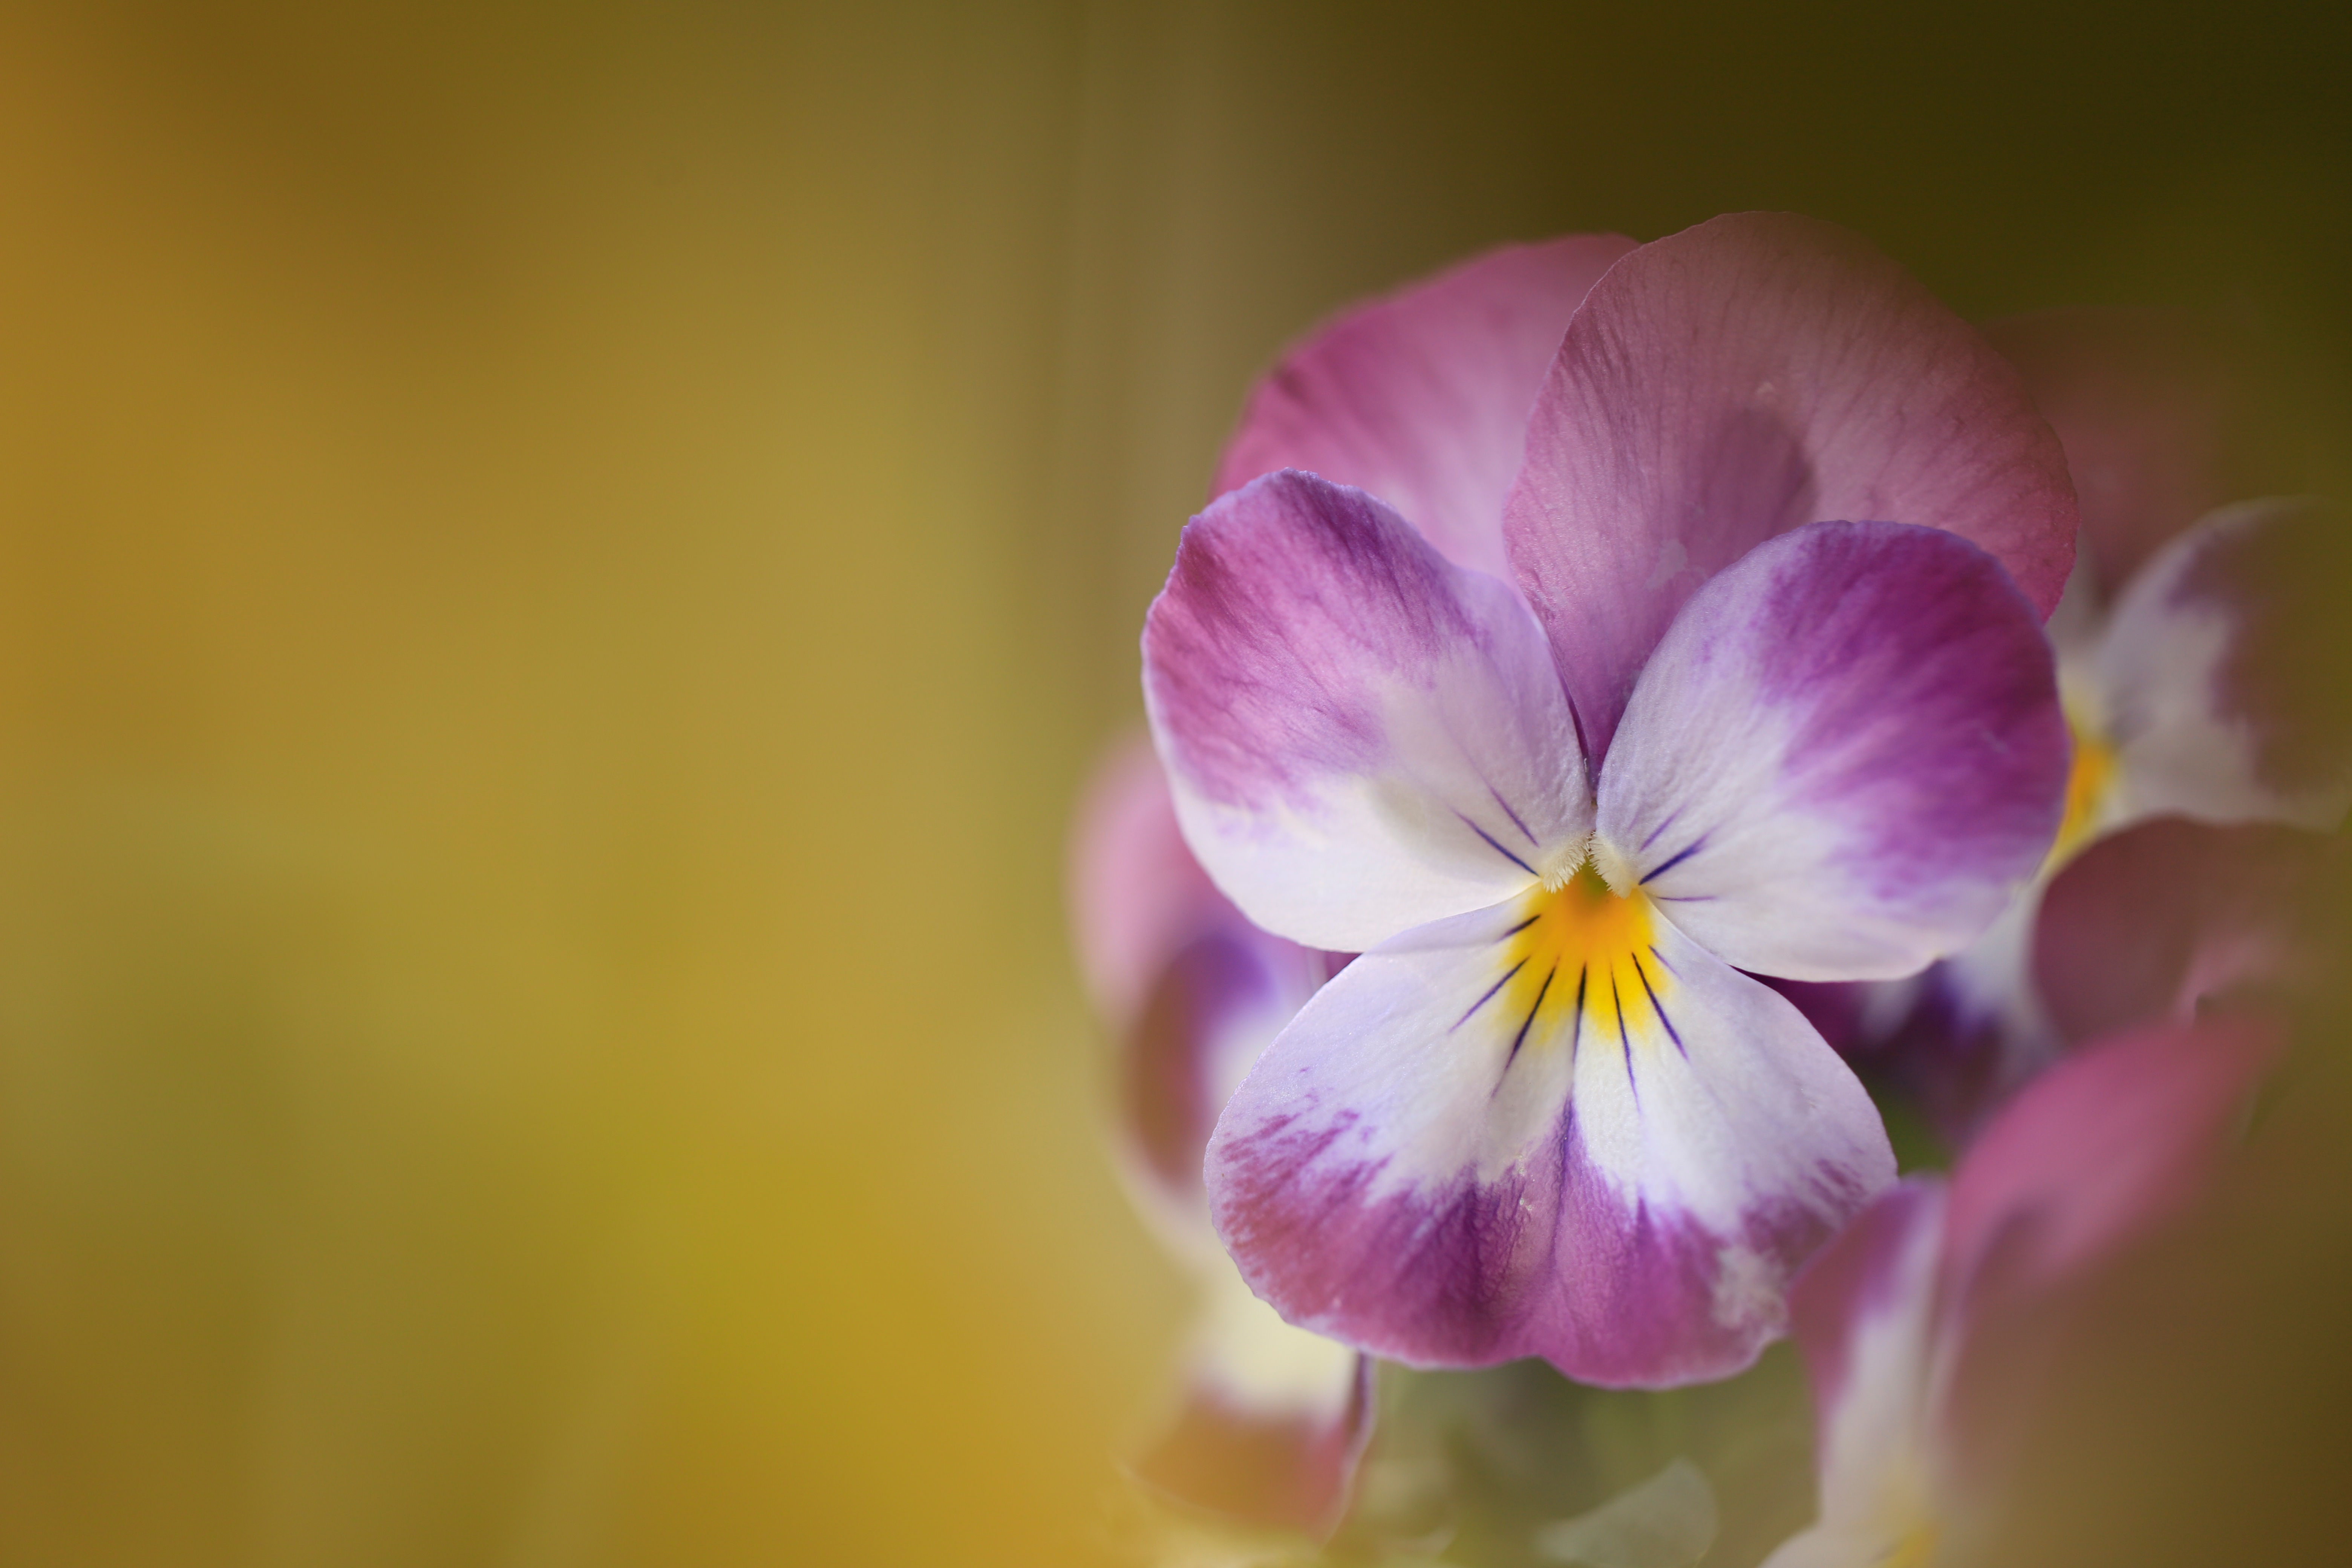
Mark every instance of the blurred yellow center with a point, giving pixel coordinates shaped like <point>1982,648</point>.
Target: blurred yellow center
<point>2087,785</point>
<point>1582,944</point>
<point>1915,1549</point>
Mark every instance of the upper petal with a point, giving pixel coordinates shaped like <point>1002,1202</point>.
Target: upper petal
<point>2149,405</point>
<point>1751,374</point>
<point>1846,757</point>
<point>1421,398</point>
<point>2227,669</point>
<point>1554,1128</point>
<point>1361,736</point>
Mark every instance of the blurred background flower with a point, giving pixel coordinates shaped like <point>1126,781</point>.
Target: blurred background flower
<point>562,566</point>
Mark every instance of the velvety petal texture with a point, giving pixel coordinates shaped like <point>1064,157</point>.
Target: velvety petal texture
<point>1844,758</point>
<point>1360,735</point>
<point>2227,669</point>
<point>1422,398</point>
<point>1556,1127</point>
<point>1747,376</point>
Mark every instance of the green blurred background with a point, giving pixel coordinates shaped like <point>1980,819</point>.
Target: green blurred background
<point>560,566</point>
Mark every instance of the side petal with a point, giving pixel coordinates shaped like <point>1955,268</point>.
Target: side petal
<point>2149,405</point>
<point>1136,895</point>
<point>1422,398</point>
<point>1544,1128</point>
<point>1747,376</point>
<point>1844,758</point>
<point>1361,736</point>
<point>2227,670</point>
<point>2148,924</point>
<point>1272,1419</point>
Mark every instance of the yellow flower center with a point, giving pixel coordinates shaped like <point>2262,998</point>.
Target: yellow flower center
<point>1915,1549</point>
<point>1583,949</point>
<point>2088,784</point>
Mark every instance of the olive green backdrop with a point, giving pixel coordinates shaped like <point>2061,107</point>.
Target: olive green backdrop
<point>560,565</point>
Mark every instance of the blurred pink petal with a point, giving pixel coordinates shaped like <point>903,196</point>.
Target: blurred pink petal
<point>2149,923</point>
<point>2225,669</point>
<point>1927,1325</point>
<point>1137,895</point>
<point>1422,398</point>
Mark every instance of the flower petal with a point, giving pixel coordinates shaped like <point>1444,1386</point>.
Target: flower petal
<point>1216,1007</point>
<point>1844,758</point>
<point>2149,924</point>
<point>1864,1312</point>
<point>2228,670</point>
<point>1361,736</point>
<point>2105,1143</point>
<point>1422,398</point>
<point>1137,897</point>
<point>1273,1418</point>
<point>2100,1151</point>
<point>1553,1128</point>
<point>2148,404</point>
<point>1743,378</point>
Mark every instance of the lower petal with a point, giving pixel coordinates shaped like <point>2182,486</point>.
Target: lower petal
<point>1555,1128</point>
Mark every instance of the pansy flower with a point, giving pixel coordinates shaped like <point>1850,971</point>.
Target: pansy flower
<point>1269,1419</point>
<point>1927,1325</point>
<point>2202,658</point>
<point>1424,396</point>
<point>1770,695</point>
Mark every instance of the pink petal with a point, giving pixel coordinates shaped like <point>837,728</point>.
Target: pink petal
<point>1844,758</point>
<point>2228,669</point>
<point>2095,1152</point>
<point>1360,735</point>
<point>2093,1157</point>
<point>2149,923</point>
<point>2149,404</point>
<point>1136,894</point>
<point>1422,398</point>
<point>1864,1316</point>
<point>1743,378</point>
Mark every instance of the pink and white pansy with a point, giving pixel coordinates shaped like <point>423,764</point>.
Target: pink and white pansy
<point>1768,692</point>
<point>1269,1419</point>
<point>1928,1326</point>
